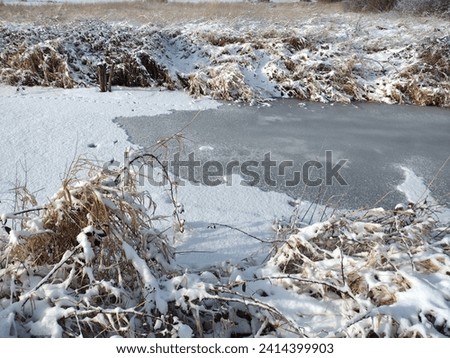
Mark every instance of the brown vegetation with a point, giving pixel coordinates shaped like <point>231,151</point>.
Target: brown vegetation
<point>42,64</point>
<point>357,257</point>
<point>159,12</point>
<point>327,62</point>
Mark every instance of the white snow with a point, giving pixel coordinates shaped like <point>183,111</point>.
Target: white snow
<point>416,190</point>
<point>86,245</point>
<point>47,129</point>
<point>229,229</point>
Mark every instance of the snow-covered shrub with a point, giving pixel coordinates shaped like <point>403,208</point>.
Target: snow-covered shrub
<point>73,57</point>
<point>88,265</point>
<point>139,70</point>
<point>221,82</point>
<point>92,263</point>
<point>426,81</point>
<point>376,267</point>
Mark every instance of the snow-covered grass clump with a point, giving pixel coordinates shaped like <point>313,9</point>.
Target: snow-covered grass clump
<point>92,263</point>
<point>84,263</point>
<point>338,58</point>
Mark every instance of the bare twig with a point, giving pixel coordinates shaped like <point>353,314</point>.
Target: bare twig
<point>213,225</point>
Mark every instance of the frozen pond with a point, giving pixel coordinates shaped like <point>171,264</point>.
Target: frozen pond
<point>374,140</point>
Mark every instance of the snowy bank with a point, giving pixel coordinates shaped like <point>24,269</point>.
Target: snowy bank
<point>329,58</point>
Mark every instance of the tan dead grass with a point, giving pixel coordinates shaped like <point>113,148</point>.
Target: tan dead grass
<point>40,64</point>
<point>370,242</point>
<point>139,70</point>
<point>427,82</point>
<point>108,215</point>
<point>95,239</point>
<point>225,82</point>
<point>112,268</point>
<point>163,13</point>
<point>365,258</point>
<point>322,73</point>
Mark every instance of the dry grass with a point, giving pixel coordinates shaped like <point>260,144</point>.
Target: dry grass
<point>108,214</point>
<point>139,70</point>
<point>163,13</point>
<point>41,64</point>
<point>360,257</point>
<point>96,235</point>
<point>424,7</point>
<point>313,62</point>
<point>60,62</point>
<point>224,82</point>
<point>427,81</point>
<point>95,241</point>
